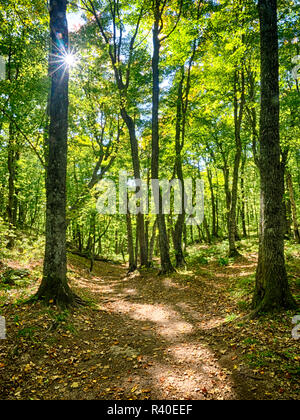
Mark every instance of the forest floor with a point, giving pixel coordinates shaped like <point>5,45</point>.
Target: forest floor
<point>145,336</point>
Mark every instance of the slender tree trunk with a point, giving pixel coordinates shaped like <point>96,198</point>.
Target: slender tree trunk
<point>225,170</point>
<point>184,238</point>
<point>217,205</point>
<point>238,114</point>
<point>152,241</point>
<point>78,237</point>
<point>147,240</point>
<point>243,198</point>
<point>293,207</point>
<point>177,235</point>
<point>132,264</point>
<point>213,204</point>
<point>136,245</point>
<point>54,287</point>
<point>181,112</point>
<point>130,246</point>
<point>99,245</point>
<point>91,249</point>
<point>271,289</point>
<point>13,149</point>
<point>137,175</point>
<point>288,216</point>
<point>12,193</point>
<point>166,265</point>
<point>192,234</point>
<point>200,238</point>
<point>116,242</point>
<point>10,153</point>
<point>206,228</point>
<point>287,212</point>
<point>177,240</point>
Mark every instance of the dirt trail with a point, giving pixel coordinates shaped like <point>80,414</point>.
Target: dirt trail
<point>169,324</point>
<point>147,337</point>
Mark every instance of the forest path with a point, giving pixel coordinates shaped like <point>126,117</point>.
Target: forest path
<point>144,337</point>
<point>164,334</point>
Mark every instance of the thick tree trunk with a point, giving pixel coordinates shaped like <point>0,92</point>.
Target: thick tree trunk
<point>271,289</point>
<point>54,287</point>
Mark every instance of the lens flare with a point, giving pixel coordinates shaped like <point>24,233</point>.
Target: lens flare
<point>70,59</point>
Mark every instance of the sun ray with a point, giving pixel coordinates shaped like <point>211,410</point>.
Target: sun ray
<point>61,59</point>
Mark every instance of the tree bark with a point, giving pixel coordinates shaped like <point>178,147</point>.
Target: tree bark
<point>137,175</point>
<point>238,115</point>
<point>12,205</point>
<point>130,247</point>
<point>177,234</point>
<point>271,289</point>
<point>213,204</point>
<point>54,287</point>
<point>166,265</point>
<point>114,47</point>
<point>243,198</point>
<point>293,207</point>
<point>152,242</point>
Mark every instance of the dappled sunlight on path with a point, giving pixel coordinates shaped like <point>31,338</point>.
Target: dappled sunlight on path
<point>143,337</point>
<point>170,324</point>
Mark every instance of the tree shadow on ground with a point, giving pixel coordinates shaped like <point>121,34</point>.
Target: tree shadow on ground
<point>145,337</point>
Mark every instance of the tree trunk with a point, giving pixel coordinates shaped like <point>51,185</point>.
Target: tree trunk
<point>238,115</point>
<point>13,150</point>
<point>177,235</point>
<point>12,205</point>
<point>130,247</point>
<point>137,175</point>
<point>217,205</point>
<point>293,207</point>
<point>213,204</point>
<point>152,241</point>
<point>166,265</point>
<point>287,213</point>
<point>54,287</point>
<point>243,200</point>
<point>206,228</point>
<point>271,289</point>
